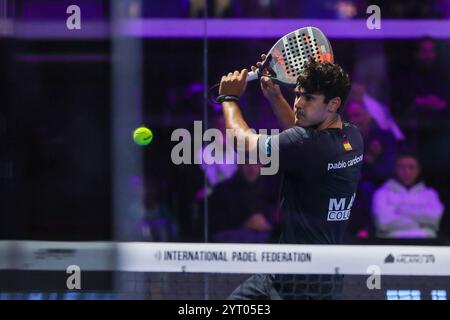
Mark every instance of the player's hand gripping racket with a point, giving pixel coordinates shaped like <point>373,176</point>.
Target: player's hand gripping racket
<point>286,59</point>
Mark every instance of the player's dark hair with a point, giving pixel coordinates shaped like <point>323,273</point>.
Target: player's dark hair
<point>325,78</point>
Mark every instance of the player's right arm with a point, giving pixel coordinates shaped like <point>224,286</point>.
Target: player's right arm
<point>280,106</point>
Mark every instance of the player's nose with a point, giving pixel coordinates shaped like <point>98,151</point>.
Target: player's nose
<point>298,104</point>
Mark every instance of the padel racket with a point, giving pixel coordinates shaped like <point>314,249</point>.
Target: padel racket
<point>285,61</point>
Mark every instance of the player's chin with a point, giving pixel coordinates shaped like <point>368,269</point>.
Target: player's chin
<point>300,122</point>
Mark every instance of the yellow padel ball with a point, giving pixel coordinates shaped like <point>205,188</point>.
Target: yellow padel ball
<point>142,136</point>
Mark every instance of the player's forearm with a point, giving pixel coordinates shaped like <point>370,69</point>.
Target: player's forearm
<point>235,121</point>
<point>234,84</point>
<point>283,112</point>
<point>233,116</point>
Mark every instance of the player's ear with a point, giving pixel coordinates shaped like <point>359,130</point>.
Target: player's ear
<point>334,104</point>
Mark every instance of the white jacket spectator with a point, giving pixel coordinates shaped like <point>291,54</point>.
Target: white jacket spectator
<point>402,212</point>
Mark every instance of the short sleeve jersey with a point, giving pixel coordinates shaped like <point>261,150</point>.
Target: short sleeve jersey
<point>321,170</point>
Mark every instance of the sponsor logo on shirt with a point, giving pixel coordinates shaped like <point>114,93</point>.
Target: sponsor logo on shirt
<point>344,164</point>
<point>339,208</point>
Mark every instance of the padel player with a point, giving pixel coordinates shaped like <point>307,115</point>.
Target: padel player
<point>320,157</point>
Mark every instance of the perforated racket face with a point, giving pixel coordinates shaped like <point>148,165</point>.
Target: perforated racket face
<point>291,52</point>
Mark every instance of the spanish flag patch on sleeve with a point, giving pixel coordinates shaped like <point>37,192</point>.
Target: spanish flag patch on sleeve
<point>347,145</point>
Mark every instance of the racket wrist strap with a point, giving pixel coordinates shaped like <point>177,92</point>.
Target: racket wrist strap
<point>227,97</point>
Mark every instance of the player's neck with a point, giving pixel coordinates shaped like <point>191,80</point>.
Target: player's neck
<point>333,122</point>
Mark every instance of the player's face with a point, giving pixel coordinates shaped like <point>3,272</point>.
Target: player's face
<point>310,109</point>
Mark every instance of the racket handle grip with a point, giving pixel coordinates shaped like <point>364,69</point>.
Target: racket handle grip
<point>252,76</point>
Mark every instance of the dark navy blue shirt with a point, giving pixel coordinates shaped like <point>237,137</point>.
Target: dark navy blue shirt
<point>321,170</point>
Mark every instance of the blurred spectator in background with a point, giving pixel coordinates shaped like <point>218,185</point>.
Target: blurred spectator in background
<point>242,208</point>
<point>431,110</point>
<point>410,9</point>
<point>147,218</point>
<point>370,68</point>
<point>216,173</point>
<point>379,112</point>
<point>131,222</point>
<point>379,144</point>
<point>159,223</point>
<point>216,8</point>
<point>426,116</point>
<point>430,91</point>
<point>404,207</point>
<point>330,9</point>
<point>378,166</point>
<point>338,9</point>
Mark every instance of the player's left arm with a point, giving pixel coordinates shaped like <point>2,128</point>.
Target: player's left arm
<point>235,84</point>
